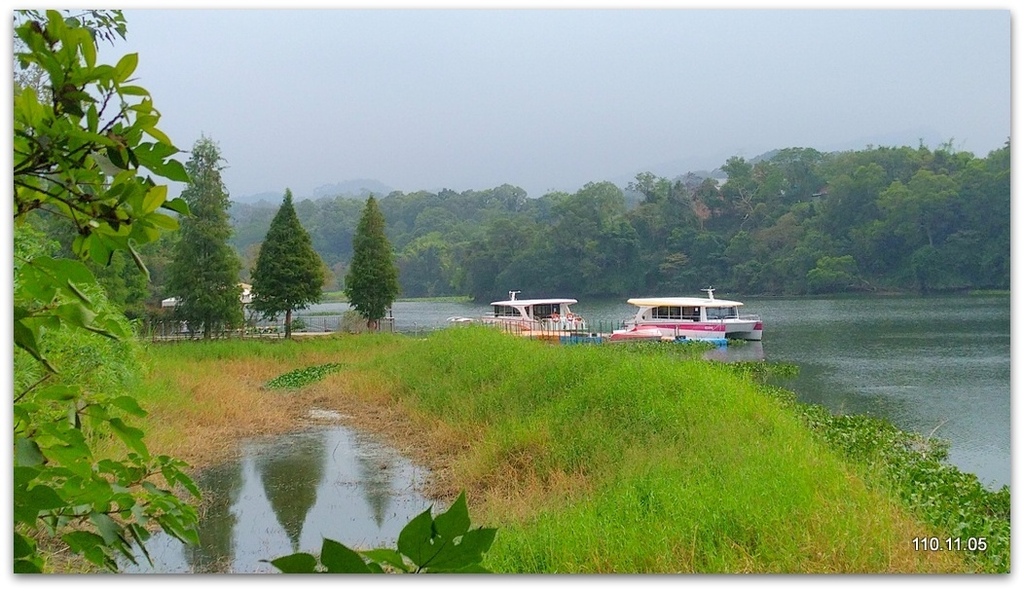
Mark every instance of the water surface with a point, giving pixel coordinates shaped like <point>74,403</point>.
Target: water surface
<point>286,494</point>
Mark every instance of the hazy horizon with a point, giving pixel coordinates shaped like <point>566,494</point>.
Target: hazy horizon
<point>552,99</point>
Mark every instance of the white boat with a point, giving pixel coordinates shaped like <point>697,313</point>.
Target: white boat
<point>532,317</point>
<point>672,318</point>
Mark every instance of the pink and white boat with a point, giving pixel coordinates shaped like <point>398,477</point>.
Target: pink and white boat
<point>671,318</point>
<point>543,316</point>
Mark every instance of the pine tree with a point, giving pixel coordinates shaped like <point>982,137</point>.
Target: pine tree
<point>371,283</point>
<point>204,273</point>
<point>289,274</point>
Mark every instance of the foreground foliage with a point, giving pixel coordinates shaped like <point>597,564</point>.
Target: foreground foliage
<point>427,544</point>
<point>85,147</point>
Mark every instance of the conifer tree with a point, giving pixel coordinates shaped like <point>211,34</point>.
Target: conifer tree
<point>204,273</point>
<point>371,283</point>
<point>289,274</point>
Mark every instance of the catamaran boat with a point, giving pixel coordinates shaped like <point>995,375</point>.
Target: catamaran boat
<point>543,315</point>
<point>673,318</point>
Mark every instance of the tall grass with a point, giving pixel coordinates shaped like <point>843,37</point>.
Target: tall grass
<point>602,459</point>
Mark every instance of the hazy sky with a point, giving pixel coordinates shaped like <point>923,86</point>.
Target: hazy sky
<point>552,99</point>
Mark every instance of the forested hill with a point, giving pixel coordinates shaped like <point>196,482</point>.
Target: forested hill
<point>797,221</point>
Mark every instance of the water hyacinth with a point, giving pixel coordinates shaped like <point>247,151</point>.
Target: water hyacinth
<point>298,378</point>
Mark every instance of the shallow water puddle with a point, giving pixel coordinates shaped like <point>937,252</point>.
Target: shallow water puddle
<point>285,494</point>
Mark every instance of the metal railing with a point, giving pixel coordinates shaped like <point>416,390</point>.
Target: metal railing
<point>302,325</point>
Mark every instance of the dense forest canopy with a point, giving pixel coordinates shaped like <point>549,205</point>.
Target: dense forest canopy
<point>795,221</point>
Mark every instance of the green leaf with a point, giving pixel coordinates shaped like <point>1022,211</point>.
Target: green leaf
<point>455,521</point>
<point>470,550</point>
<point>125,67</point>
<point>295,563</point>
<point>131,436</point>
<point>414,540</point>
<point>76,314</point>
<point>158,135</point>
<point>91,546</point>
<point>27,566</point>
<point>478,541</point>
<point>29,503</point>
<point>58,392</point>
<point>27,453</point>
<point>175,171</point>
<point>177,205</point>
<point>162,221</point>
<point>129,405</point>
<point>387,556</point>
<point>23,546</point>
<point>338,558</point>
<point>25,338</point>
<point>154,198</point>
<point>133,90</point>
<point>107,527</point>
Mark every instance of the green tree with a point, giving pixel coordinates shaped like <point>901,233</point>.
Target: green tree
<point>832,274</point>
<point>86,149</point>
<point>371,284</point>
<point>289,274</point>
<point>204,274</point>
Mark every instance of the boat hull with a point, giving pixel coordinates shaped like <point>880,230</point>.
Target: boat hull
<point>742,330</point>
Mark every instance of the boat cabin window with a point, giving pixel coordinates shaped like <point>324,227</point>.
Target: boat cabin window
<point>541,311</point>
<point>676,313</point>
<point>667,312</point>
<point>719,313</point>
<point>505,312</point>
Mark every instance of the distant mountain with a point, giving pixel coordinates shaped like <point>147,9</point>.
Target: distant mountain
<point>264,197</point>
<point>355,188</point>
<point>907,137</point>
<point>708,165</point>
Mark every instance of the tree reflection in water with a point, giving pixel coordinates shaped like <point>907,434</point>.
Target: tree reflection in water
<point>286,494</point>
<point>375,474</point>
<point>291,477</point>
<point>221,487</point>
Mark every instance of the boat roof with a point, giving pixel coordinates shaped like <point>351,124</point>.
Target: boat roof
<point>699,302</point>
<point>536,301</point>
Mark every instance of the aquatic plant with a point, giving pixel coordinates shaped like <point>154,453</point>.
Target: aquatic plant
<point>298,378</point>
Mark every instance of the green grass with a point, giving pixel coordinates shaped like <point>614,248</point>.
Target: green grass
<point>683,464</point>
<point>641,457</point>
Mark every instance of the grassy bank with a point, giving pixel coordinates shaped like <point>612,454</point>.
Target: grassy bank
<point>596,459</point>
<point>588,459</point>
